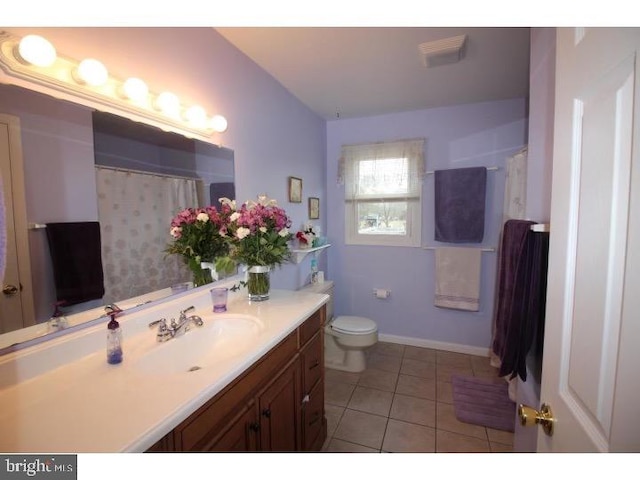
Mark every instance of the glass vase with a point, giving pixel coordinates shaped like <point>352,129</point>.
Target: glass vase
<point>201,276</point>
<point>258,283</point>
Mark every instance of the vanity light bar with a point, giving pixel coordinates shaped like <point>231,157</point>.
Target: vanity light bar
<point>91,81</point>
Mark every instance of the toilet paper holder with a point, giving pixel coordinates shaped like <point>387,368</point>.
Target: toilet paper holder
<point>381,293</point>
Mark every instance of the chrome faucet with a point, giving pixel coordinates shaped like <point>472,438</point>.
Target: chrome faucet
<point>175,329</point>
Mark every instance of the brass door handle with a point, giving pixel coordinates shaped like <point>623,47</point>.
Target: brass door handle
<point>530,416</point>
<point>9,289</point>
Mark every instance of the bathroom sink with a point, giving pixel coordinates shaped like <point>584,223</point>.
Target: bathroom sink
<point>221,337</point>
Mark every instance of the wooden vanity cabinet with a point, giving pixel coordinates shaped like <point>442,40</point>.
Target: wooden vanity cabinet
<point>276,405</point>
<point>314,427</point>
<point>279,410</point>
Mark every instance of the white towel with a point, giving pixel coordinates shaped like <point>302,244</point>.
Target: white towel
<point>458,278</point>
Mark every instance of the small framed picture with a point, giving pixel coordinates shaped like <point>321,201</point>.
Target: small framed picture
<point>295,190</point>
<point>314,208</point>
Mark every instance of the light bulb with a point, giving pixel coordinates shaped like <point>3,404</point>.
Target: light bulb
<point>219,123</point>
<point>169,104</point>
<point>36,50</point>
<point>135,90</point>
<point>91,72</point>
<point>196,116</point>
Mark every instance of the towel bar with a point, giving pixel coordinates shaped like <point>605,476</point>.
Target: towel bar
<point>489,169</point>
<point>540,227</point>
<point>482,249</point>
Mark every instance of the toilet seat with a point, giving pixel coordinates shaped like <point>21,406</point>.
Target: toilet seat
<point>354,325</point>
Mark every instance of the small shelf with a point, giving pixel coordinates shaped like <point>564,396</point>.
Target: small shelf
<point>300,254</point>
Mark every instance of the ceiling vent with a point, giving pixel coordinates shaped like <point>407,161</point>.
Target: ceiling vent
<point>442,52</point>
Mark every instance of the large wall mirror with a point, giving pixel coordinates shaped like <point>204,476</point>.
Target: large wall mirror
<point>84,166</point>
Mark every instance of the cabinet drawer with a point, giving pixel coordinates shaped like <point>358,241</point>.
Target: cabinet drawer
<point>313,418</point>
<point>312,358</point>
<point>311,325</point>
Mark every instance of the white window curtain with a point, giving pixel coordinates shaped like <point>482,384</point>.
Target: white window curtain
<point>383,172</point>
<point>412,150</point>
<point>135,211</point>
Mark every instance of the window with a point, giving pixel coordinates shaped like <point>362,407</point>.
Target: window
<point>383,189</point>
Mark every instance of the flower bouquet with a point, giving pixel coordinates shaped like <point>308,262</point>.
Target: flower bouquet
<point>199,236</point>
<point>259,236</point>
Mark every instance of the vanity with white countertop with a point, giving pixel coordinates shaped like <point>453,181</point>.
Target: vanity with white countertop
<point>251,378</point>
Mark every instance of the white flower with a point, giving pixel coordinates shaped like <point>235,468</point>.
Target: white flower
<point>202,217</point>
<point>266,201</point>
<point>222,233</point>
<point>175,232</point>
<point>234,216</point>
<point>284,232</point>
<point>263,229</point>
<point>226,201</point>
<point>242,232</point>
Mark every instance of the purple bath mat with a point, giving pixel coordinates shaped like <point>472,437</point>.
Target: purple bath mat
<point>483,401</point>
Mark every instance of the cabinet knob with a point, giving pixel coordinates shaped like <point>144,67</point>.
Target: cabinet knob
<point>266,412</point>
<point>254,426</point>
<point>306,399</point>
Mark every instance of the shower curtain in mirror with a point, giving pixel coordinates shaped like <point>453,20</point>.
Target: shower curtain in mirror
<point>135,211</point>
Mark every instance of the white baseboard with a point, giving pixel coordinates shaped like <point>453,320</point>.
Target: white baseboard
<point>421,342</point>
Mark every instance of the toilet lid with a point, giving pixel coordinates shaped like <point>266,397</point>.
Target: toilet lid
<point>354,325</point>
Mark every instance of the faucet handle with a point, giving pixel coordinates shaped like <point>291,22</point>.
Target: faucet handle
<point>162,323</point>
<point>183,313</point>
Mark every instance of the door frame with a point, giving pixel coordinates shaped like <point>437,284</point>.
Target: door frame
<point>21,225</point>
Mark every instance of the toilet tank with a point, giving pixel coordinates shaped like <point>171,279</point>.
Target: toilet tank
<point>325,287</point>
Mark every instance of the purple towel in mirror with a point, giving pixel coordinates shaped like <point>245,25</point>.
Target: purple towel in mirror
<point>77,261</point>
<point>459,204</point>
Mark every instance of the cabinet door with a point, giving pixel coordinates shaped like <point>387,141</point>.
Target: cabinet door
<point>313,420</point>
<point>241,436</point>
<point>279,409</point>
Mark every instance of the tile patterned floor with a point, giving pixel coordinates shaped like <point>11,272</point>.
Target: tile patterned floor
<point>403,402</point>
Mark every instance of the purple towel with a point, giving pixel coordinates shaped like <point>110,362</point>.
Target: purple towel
<point>514,238</point>
<point>220,190</point>
<point>76,256</point>
<point>459,204</point>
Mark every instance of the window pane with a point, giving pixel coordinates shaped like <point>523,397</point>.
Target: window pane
<point>382,218</point>
<point>383,176</point>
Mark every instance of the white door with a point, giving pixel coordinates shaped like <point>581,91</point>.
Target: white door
<point>16,304</point>
<point>592,337</point>
<point>10,301</point>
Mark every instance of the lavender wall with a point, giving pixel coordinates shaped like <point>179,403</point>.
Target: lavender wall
<point>541,112</point>
<point>57,151</point>
<point>273,135</point>
<point>483,134</point>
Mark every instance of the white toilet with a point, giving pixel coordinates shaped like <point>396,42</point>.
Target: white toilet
<point>346,338</point>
